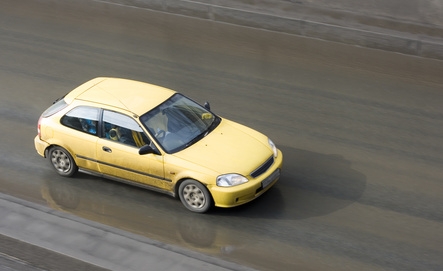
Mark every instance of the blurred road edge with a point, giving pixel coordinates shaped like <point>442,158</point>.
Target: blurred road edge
<point>95,243</point>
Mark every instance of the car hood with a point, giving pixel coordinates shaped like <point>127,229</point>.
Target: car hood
<point>230,148</point>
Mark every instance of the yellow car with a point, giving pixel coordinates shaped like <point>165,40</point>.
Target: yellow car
<point>156,138</point>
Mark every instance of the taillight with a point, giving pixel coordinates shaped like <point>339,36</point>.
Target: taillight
<point>39,131</point>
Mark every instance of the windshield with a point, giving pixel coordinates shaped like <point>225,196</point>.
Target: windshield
<point>179,122</point>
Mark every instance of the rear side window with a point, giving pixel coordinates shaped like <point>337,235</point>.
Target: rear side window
<point>54,108</point>
<point>82,118</point>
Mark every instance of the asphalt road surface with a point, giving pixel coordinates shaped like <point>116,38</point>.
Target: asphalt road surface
<point>361,131</point>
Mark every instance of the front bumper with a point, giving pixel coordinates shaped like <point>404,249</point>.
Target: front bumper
<point>40,146</point>
<point>241,194</point>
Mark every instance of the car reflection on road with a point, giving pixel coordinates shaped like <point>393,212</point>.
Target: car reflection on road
<point>135,210</point>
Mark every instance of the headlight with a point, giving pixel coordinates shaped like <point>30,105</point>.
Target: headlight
<point>273,147</point>
<point>230,180</point>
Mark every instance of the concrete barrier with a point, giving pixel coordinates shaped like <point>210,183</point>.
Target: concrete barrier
<point>346,31</point>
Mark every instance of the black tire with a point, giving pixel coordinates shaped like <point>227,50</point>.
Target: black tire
<point>194,196</point>
<point>62,161</point>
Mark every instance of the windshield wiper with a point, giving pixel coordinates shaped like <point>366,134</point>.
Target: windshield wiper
<point>211,127</point>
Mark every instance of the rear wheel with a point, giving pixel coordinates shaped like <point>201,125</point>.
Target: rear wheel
<point>62,161</point>
<point>195,196</point>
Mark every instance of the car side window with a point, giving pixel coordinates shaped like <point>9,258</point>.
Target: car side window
<point>123,129</point>
<point>82,118</point>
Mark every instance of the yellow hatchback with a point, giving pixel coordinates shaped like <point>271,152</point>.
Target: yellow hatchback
<point>156,138</point>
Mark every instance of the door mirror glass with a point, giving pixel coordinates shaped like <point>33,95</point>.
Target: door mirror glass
<point>207,105</point>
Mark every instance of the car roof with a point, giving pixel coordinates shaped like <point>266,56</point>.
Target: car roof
<point>134,96</point>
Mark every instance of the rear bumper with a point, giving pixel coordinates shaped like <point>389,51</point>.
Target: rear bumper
<point>40,146</point>
<point>241,194</point>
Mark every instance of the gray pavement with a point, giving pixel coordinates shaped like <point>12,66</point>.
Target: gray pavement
<point>18,255</point>
<point>413,27</point>
<point>84,245</point>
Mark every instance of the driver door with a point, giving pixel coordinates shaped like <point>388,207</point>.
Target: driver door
<point>117,152</point>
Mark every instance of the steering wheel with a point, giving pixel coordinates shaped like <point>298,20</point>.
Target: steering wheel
<point>160,135</point>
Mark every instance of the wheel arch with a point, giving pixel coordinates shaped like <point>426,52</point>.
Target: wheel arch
<point>190,175</point>
<point>177,187</point>
<point>53,145</point>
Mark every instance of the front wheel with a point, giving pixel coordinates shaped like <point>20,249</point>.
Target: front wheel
<point>195,196</point>
<point>62,161</point>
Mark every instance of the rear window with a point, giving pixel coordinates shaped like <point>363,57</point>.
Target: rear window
<point>54,108</point>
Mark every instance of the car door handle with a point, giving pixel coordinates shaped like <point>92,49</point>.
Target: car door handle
<point>106,149</point>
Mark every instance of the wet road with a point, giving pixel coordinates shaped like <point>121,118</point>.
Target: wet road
<point>361,131</point>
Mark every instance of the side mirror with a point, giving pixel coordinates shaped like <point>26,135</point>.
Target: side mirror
<point>147,149</point>
<point>207,106</point>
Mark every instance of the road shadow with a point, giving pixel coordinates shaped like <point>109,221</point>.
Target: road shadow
<point>312,184</point>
